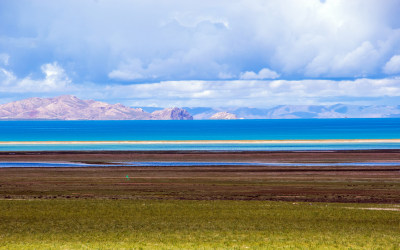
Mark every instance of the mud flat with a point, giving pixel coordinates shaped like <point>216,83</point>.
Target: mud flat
<point>379,155</point>
<point>359,184</point>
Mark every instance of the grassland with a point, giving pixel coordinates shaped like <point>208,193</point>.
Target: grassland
<point>103,224</point>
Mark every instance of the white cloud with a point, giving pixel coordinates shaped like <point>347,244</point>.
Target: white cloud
<point>131,70</point>
<point>358,62</point>
<point>163,46</point>
<point>245,93</point>
<point>4,59</point>
<point>55,80</point>
<point>251,93</point>
<point>6,77</point>
<point>55,76</point>
<point>392,66</point>
<point>178,66</point>
<point>262,74</point>
<point>198,40</point>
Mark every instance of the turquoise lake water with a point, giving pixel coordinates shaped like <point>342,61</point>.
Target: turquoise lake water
<point>299,129</point>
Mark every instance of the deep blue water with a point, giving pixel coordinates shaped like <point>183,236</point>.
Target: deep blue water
<point>299,129</point>
<point>200,130</point>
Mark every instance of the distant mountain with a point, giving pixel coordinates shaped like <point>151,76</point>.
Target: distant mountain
<point>202,113</point>
<point>172,114</point>
<point>332,111</point>
<point>223,116</point>
<point>69,107</point>
<point>301,112</point>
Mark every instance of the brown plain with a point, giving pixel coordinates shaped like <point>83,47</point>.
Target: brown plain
<point>372,184</point>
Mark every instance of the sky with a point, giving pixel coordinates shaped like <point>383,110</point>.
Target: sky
<point>225,53</point>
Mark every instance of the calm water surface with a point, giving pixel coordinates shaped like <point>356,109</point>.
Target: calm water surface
<point>299,129</point>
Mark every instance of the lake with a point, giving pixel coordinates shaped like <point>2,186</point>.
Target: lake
<point>186,135</point>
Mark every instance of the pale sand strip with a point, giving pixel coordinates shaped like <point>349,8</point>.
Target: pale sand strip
<point>205,142</point>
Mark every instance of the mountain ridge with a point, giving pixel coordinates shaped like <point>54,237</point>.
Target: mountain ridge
<point>300,112</point>
<point>68,107</point>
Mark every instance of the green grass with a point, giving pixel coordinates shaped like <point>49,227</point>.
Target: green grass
<point>67,224</point>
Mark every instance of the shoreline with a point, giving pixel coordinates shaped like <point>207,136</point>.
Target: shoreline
<point>317,141</point>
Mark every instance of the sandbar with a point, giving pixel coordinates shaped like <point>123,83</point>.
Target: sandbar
<point>319,141</point>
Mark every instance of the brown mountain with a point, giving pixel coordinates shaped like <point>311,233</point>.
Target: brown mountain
<point>172,114</point>
<point>68,107</point>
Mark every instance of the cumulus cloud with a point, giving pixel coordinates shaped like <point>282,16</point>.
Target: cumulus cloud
<point>134,52</point>
<point>55,76</point>
<point>6,77</point>
<point>262,74</point>
<point>359,62</point>
<point>245,93</point>
<point>393,65</point>
<point>180,66</point>
<point>256,93</point>
<point>100,40</point>
<point>131,70</point>
<point>55,80</point>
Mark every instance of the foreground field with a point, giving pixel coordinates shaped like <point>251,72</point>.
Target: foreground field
<point>201,224</point>
<point>376,155</point>
<point>201,206</point>
<point>356,184</point>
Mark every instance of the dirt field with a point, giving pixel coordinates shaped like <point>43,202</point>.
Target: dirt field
<point>206,156</point>
<point>374,184</point>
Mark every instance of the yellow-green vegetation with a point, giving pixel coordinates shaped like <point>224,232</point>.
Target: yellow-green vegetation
<point>42,224</point>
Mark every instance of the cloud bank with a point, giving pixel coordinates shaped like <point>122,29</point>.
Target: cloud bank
<point>217,93</point>
<point>393,65</point>
<point>179,40</point>
<point>263,74</point>
<point>284,51</point>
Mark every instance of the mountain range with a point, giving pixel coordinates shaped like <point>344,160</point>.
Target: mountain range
<point>68,107</point>
<point>301,112</point>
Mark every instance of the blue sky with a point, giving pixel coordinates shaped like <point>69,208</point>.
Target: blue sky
<point>202,53</point>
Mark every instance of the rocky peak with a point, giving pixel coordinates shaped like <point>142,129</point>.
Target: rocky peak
<point>171,114</point>
<point>223,116</point>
